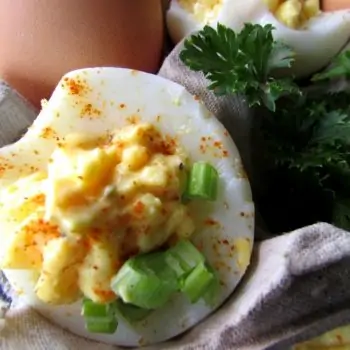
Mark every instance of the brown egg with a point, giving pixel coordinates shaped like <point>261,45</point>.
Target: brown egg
<point>333,5</point>
<point>41,40</point>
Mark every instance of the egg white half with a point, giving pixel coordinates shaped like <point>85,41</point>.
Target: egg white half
<point>315,44</point>
<point>96,101</point>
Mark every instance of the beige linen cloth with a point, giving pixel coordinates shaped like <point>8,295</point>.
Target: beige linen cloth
<point>297,286</point>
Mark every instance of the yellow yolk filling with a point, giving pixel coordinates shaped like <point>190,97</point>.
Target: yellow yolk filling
<point>203,10</point>
<point>293,13</point>
<point>100,202</point>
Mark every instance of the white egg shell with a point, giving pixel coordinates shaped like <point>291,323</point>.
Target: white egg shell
<point>98,100</point>
<point>315,44</point>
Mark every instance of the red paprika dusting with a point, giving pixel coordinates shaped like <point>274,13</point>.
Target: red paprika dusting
<point>48,133</point>
<point>133,119</point>
<point>75,87</point>
<point>211,222</point>
<point>89,111</point>
<point>104,295</point>
<point>139,207</point>
<point>217,144</point>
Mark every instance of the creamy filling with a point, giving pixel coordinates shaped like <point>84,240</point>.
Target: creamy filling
<point>100,202</point>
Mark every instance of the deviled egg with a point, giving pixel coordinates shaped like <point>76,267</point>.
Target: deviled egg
<point>315,36</point>
<point>122,207</point>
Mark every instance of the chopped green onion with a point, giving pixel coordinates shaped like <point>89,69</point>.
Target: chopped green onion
<point>175,264</point>
<point>100,325</point>
<point>92,309</point>
<point>183,257</point>
<point>210,297</point>
<point>197,282</point>
<point>202,182</point>
<point>99,318</point>
<point>130,312</point>
<point>145,281</point>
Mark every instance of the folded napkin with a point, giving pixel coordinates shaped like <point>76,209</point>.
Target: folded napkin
<point>297,286</point>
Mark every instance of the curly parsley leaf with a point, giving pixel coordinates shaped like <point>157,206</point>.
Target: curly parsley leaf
<point>308,147</point>
<point>307,133</point>
<point>333,127</point>
<point>339,69</point>
<point>275,89</point>
<point>313,136</point>
<point>241,63</point>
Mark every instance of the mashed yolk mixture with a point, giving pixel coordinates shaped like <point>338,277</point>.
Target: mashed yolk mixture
<point>100,202</point>
<point>203,10</point>
<point>294,13</point>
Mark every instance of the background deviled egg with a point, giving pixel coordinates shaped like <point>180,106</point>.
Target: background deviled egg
<point>96,102</point>
<point>315,36</point>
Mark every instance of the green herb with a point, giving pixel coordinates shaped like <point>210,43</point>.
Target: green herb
<point>183,257</point>
<point>147,281</point>
<point>307,134</point>
<point>131,313</point>
<point>340,69</point>
<point>99,318</point>
<point>197,282</point>
<point>241,63</point>
<point>202,182</point>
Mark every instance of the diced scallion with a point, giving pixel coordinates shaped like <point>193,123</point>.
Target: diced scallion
<point>183,257</point>
<point>99,318</point>
<point>100,325</point>
<point>202,182</point>
<point>145,281</point>
<point>210,296</point>
<point>197,282</point>
<point>131,313</point>
<point>196,278</point>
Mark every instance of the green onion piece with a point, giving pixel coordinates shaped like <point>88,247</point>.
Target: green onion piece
<point>202,182</point>
<point>197,282</point>
<point>99,318</point>
<point>130,312</point>
<point>210,297</point>
<point>145,281</point>
<point>92,309</point>
<point>175,264</point>
<point>100,325</point>
<point>184,257</point>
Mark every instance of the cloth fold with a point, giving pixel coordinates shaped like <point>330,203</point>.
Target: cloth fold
<point>297,285</point>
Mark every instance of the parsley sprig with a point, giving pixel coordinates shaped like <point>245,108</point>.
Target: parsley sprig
<point>340,69</point>
<point>307,135</point>
<point>241,63</point>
